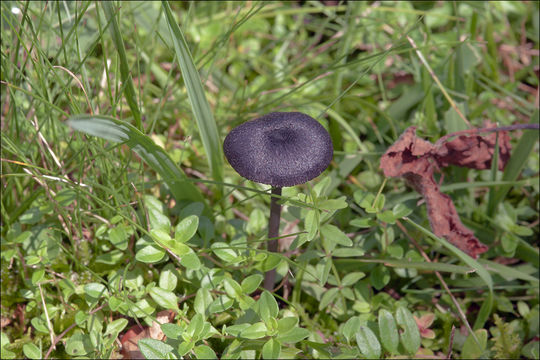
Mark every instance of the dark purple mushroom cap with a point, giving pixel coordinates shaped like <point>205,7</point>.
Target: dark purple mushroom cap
<point>279,149</point>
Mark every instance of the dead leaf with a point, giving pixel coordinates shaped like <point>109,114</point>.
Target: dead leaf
<point>130,340</point>
<point>416,160</point>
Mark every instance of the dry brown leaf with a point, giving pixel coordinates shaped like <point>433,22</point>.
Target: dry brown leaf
<point>416,160</point>
<point>130,339</point>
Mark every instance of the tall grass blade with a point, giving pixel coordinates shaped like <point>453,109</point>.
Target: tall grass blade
<point>485,310</point>
<point>119,131</point>
<point>129,89</point>
<point>199,104</point>
<point>519,157</point>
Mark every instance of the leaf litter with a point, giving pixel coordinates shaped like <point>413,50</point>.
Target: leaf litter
<point>416,160</point>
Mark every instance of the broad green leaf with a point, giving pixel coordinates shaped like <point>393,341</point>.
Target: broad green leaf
<point>293,336</point>
<point>79,344</point>
<point>334,234</point>
<point>191,261</point>
<point>116,326</point>
<point>119,235</point>
<point>186,228</point>
<point>271,349</point>
<point>251,283</point>
<point>95,290</point>
<point>333,204</point>
<point>410,337</point>
<point>286,324</point>
<point>328,297</point>
<point>199,104</point>
<point>254,331</point>
<point>195,327</point>
<point>350,327</point>
<point>472,349</point>
<point>367,343</point>
<point>388,331</point>
<point>150,254</point>
<point>379,276</point>
<point>351,278</point>
<point>31,351</point>
<point>224,252</point>
<point>37,276</point>
<point>220,304</point>
<point>268,306</point>
<point>387,216</point>
<point>204,352</point>
<point>173,331</point>
<point>164,298</point>
<point>154,349</point>
<point>142,308</point>
<point>202,302</point>
<point>401,210</point>
<point>168,279</point>
<point>157,214</point>
<point>119,131</point>
<point>232,288</point>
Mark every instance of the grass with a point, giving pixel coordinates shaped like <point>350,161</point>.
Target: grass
<point>117,202</point>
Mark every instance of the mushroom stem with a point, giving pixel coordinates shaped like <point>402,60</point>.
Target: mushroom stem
<point>273,232</point>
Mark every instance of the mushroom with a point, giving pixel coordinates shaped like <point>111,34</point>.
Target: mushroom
<point>279,149</point>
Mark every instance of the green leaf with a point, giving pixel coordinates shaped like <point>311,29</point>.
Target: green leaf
<point>195,327</point>
<point>204,352</point>
<point>271,349</point>
<point>79,344</point>
<point>387,216</point>
<point>251,283</point>
<point>202,302</point>
<point>114,328</point>
<point>379,277</point>
<point>350,327</point>
<point>95,290</point>
<point>31,351</point>
<point>157,214</point>
<point>368,343</point>
<point>401,210</point>
<point>410,338</point>
<point>224,252</point>
<point>186,228</point>
<point>118,236</point>
<point>191,261</point>
<point>199,104</point>
<point>286,324</point>
<point>334,234</point>
<point>311,223</point>
<point>119,131</point>
<point>351,278</point>
<point>164,298</point>
<point>254,331</point>
<point>37,276</point>
<point>333,204</point>
<point>328,297</point>
<point>168,279</point>
<point>154,349</point>
<point>268,306</point>
<point>473,350</point>
<point>220,304</point>
<point>150,254</point>
<point>293,336</point>
<point>232,288</point>
<point>388,331</point>
<point>173,331</point>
